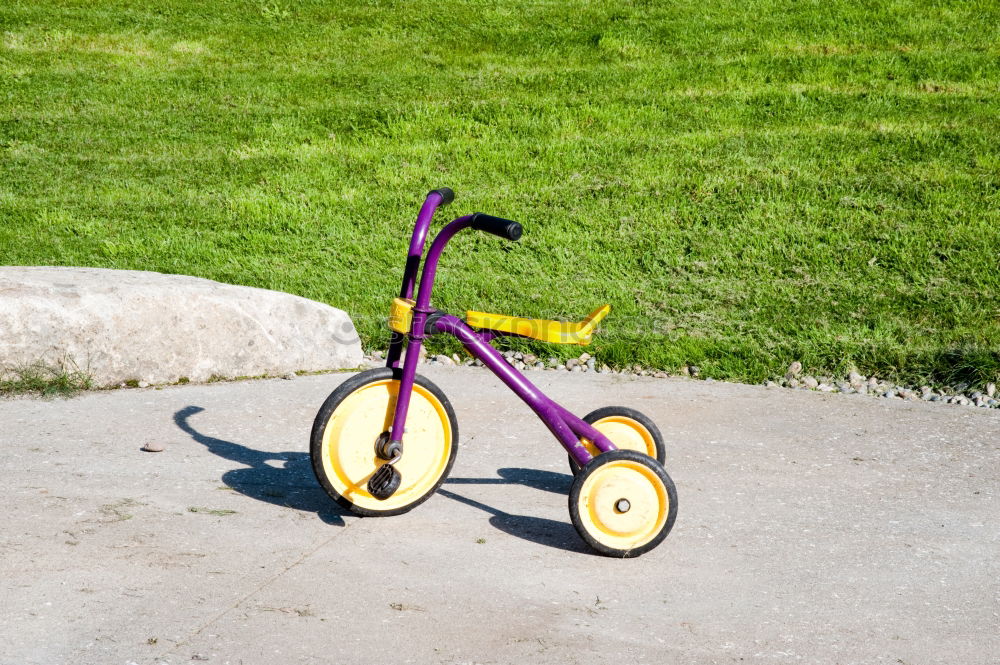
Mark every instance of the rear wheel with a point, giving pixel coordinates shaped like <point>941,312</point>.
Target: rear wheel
<point>350,423</point>
<point>628,429</point>
<point>623,503</point>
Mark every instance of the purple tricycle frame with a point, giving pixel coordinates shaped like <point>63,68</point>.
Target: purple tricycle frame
<point>566,427</point>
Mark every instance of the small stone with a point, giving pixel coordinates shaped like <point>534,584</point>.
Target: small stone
<point>572,362</point>
<point>925,390</point>
<point>143,384</point>
<point>933,398</point>
<point>793,382</point>
<point>154,447</point>
<point>793,370</point>
<point>539,365</point>
<point>458,361</point>
<point>469,361</point>
<point>853,377</point>
<point>660,375</point>
<point>519,364</point>
<point>904,393</point>
<point>889,393</point>
<point>443,360</point>
<point>584,357</point>
<point>477,362</point>
<point>685,371</point>
<point>845,388</point>
<point>560,366</point>
<point>872,382</point>
<point>643,372</point>
<point>991,389</point>
<point>508,354</point>
<point>553,362</point>
<point>810,382</point>
<point>575,368</point>
<point>695,370</point>
<point>378,355</point>
<point>289,377</point>
<point>770,384</point>
<point>604,369</point>
<point>591,364</point>
<point>530,358</point>
<point>518,356</point>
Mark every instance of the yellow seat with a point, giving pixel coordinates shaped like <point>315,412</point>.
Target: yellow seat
<point>557,332</point>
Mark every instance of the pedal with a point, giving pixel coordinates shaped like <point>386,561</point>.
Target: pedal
<point>384,482</point>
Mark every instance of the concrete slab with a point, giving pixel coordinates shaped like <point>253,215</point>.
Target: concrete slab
<point>812,528</point>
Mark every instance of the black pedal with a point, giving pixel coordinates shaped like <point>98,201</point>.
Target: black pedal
<point>384,482</point>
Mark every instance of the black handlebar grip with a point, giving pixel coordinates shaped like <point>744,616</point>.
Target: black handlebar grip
<point>447,196</point>
<point>498,226</point>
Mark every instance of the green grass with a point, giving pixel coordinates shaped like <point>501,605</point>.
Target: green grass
<point>45,380</point>
<point>747,183</point>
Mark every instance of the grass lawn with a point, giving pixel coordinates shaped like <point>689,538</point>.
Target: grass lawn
<point>746,182</point>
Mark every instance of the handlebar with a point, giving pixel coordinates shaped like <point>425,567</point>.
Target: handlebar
<point>498,226</point>
<point>447,196</point>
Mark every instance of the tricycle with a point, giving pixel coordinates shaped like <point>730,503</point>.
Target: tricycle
<point>386,438</point>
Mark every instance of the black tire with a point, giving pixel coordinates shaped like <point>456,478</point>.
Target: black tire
<point>636,469</point>
<point>428,483</point>
<point>638,417</point>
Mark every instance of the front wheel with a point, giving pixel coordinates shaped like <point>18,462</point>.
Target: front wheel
<point>623,503</point>
<point>350,422</point>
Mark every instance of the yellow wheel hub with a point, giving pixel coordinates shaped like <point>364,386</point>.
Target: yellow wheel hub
<point>348,452</point>
<point>625,433</point>
<point>623,504</point>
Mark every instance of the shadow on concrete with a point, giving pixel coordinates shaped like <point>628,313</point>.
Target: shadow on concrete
<point>290,484</point>
<point>552,533</point>
<point>548,481</point>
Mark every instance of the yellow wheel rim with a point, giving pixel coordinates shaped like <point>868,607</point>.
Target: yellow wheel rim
<point>625,433</point>
<point>600,499</point>
<point>348,452</point>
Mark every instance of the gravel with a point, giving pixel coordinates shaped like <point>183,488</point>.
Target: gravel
<point>854,383</point>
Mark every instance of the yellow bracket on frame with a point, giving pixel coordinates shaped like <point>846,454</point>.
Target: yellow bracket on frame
<point>556,332</point>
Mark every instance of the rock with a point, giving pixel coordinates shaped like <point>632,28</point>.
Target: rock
<point>378,355</point>
<point>695,370</point>
<point>508,354</point>
<point>443,360</point>
<point>793,370</point>
<point>560,366</point>
<point>810,382</point>
<point>530,359</point>
<point>154,447</point>
<point>872,382</point>
<point>572,362</point>
<point>539,365</point>
<point>584,357</point>
<point>454,357</point>
<point>660,375</point>
<point>289,376</point>
<point>575,368</point>
<point>553,362</point>
<point>119,325</point>
<point>770,384</point>
<point>854,378</point>
<point>604,370</point>
<point>991,389</point>
<point>685,371</point>
<point>845,388</point>
<point>518,355</point>
<point>793,382</point>
<point>142,384</point>
<point>591,363</point>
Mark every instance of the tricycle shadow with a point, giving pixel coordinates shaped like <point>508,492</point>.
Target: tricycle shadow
<point>552,533</point>
<point>291,484</point>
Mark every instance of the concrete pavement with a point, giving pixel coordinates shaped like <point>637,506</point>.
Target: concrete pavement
<point>812,528</point>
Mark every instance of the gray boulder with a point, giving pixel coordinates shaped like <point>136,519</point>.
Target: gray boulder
<point>122,325</point>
